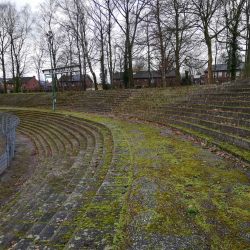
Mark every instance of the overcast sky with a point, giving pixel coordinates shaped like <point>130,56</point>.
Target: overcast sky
<point>32,3</point>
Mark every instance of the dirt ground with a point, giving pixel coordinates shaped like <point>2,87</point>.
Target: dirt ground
<point>21,168</point>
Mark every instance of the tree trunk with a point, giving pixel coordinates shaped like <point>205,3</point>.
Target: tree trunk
<point>103,78</point>
<point>129,53</point>
<point>149,58</point>
<point>84,73</point>
<point>247,56</point>
<point>4,74</point>
<point>247,63</point>
<point>177,47</point>
<point>110,49</point>
<point>234,57</point>
<point>90,67</point>
<point>125,76</point>
<point>131,76</point>
<point>210,57</point>
<point>17,74</point>
<point>13,65</point>
<point>39,80</point>
<point>163,58</point>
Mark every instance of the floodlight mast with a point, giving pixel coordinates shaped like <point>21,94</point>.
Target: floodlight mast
<point>49,36</point>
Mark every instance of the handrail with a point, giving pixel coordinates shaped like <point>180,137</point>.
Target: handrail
<point>8,124</point>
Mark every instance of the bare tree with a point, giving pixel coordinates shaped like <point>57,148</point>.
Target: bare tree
<point>162,39</point>
<point>38,57</point>
<point>48,21</point>
<point>205,11</point>
<point>99,29</point>
<point>19,26</point>
<point>77,22</point>
<point>131,12</point>
<point>246,21</point>
<point>4,40</point>
<point>180,23</point>
<point>233,14</point>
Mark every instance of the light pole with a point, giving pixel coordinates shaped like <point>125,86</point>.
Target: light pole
<point>49,35</point>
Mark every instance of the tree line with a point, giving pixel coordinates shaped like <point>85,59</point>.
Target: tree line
<point>125,36</point>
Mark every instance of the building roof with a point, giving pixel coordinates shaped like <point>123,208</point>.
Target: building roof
<point>23,80</point>
<point>223,67</point>
<point>171,73</point>
<point>144,74</point>
<point>1,79</point>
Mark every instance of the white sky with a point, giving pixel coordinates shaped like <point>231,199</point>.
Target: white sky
<point>32,3</point>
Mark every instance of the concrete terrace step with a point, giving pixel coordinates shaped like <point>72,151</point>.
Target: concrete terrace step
<point>245,110</point>
<point>76,99</point>
<point>213,112</point>
<point>239,103</point>
<point>61,198</point>
<point>71,136</point>
<point>221,135</point>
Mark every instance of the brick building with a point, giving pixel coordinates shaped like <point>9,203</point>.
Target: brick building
<point>221,73</point>
<point>28,84</point>
<point>141,79</point>
<point>46,86</point>
<point>76,82</point>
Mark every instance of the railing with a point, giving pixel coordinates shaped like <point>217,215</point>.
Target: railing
<point>8,124</point>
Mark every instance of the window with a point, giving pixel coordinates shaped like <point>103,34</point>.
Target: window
<point>238,73</point>
<point>219,74</point>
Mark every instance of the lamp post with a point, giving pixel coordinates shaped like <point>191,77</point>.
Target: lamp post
<point>49,35</point>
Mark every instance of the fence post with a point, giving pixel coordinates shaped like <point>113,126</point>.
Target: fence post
<point>12,139</point>
<point>8,124</point>
<point>7,149</point>
<point>2,123</point>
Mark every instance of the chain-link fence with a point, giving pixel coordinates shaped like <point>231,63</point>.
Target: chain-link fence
<point>8,123</point>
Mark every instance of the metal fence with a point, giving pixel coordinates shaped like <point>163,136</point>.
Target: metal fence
<point>8,124</point>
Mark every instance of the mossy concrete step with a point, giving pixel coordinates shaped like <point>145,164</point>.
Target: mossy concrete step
<point>71,131</point>
<point>62,144</point>
<point>45,100</point>
<point>220,98</point>
<point>214,112</point>
<point>222,95</point>
<point>239,103</point>
<point>241,142</point>
<point>208,116</point>
<point>51,138</point>
<point>55,211</point>
<point>39,143</point>
<point>238,85</point>
<point>62,127</point>
<point>241,132</point>
<point>245,110</point>
<point>233,139</point>
<point>228,90</point>
<point>230,129</point>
